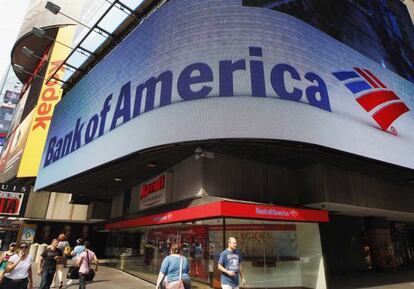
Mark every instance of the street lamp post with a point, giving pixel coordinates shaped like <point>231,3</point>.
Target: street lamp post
<point>55,9</point>
<point>40,33</point>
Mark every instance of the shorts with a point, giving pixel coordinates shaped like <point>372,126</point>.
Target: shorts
<point>3,266</point>
<point>62,261</point>
<point>225,286</point>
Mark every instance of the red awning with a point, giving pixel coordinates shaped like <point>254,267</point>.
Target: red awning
<point>224,209</point>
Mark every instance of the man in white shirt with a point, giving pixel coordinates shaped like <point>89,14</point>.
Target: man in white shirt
<point>19,270</point>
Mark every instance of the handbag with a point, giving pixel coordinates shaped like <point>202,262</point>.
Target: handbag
<point>176,284</point>
<point>91,273</point>
<point>73,273</point>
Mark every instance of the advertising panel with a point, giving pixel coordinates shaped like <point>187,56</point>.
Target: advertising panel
<point>18,112</point>
<point>6,113</point>
<point>12,199</point>
<point>11,96</point>
<point>28,233</point>
<point>50,95</point>
<point>277,240</point>
<point>228,71</point>
<point>13,150</point>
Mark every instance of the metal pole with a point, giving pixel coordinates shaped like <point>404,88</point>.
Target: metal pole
<point>224,234</point>
<point>4,79</point>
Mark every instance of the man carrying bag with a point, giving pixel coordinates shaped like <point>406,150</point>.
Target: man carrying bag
<point>86,258</point>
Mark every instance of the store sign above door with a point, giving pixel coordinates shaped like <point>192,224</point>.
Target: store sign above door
<point>153,192</point>
<point>12,199</point>
<point>223,209</point>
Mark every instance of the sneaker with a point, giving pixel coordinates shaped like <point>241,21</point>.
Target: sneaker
<point>69,282</point>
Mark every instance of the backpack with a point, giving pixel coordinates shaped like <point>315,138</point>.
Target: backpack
<point>67,251</point>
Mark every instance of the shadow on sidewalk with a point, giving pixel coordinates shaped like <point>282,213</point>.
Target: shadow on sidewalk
<point>401,278</point>
<point>76,283</point>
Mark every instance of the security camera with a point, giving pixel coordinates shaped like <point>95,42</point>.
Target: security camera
<point>199,153</point>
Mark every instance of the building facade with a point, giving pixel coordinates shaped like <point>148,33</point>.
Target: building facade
<point>9,97</point>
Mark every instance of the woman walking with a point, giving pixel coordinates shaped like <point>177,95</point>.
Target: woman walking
<point>60,264</point>
<point>19,270</point>
<point>4,258</point>
<point>85,260</point>
<point>174,268</point>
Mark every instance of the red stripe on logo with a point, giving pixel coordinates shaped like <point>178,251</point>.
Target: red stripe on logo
<point>372,99</point>
<point>375,78</point>
<point>387,115</point>
<point>366,77</point>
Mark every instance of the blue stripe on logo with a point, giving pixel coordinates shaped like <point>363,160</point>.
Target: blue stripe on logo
<point>344,75</point>
<point>358,86</point>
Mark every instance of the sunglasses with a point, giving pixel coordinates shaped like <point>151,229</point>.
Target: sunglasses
<point>23,247</point>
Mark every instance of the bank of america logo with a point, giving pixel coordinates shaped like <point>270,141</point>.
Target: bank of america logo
<point>382,104</point>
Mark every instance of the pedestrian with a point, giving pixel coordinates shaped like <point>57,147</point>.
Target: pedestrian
<point>86,258</point>
<point>174,270</point>
<point>230,266</point>
<point>79,248</point>
<point>47,264</point>
<point>197,255</point>
<point>64,246</point>
<point>4,258</point>
<point>19,270</point>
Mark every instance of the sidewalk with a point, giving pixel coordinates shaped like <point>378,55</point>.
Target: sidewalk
<point>106,278</point>
<point>110,278</point>
<point>403,278</point>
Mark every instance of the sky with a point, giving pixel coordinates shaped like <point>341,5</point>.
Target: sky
<point>11,17</point>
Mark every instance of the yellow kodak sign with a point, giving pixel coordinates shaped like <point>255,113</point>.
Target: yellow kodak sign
<point>49,96</point>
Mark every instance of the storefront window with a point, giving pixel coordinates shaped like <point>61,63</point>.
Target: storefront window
<point>276,254</point>
<point>145,258</point>
<point>279,254</point>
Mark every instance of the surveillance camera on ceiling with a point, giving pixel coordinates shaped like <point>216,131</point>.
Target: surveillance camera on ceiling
<point>200,153</point>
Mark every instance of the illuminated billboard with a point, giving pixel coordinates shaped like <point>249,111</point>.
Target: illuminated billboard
<point>6,113</point>
<point>227,71</point>
<point>11,97</point>
<point>18,111</point>
<point>49,96</point>
<point>13,199</point>
<point>13,150</point>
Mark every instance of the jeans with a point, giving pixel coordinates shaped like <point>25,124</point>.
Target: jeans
<point>47,278</point>
<point>14,284</point>
<point>82,281</point>
<point>187,283</point>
